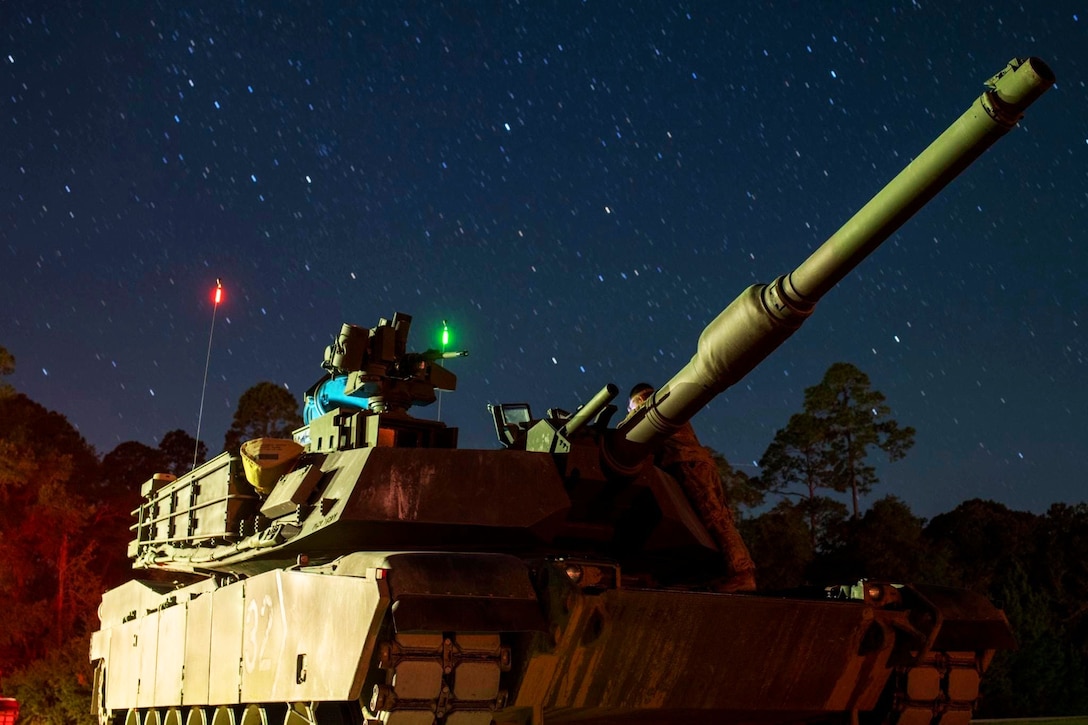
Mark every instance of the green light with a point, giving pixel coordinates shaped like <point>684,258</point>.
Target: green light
<point>445,334</point>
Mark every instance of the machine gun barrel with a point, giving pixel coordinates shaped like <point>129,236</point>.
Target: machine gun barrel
<point>432,355</point>
<point>590,410</point>
<point>764,316</point>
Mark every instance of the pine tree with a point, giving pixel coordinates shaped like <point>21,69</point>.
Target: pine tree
<point>826,446</point>
<point>265,410</point>
<point>855,418</point>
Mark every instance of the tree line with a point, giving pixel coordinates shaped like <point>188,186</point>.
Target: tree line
<point>65,514</point>
<point>1035,567</point>
<point>65,517</point>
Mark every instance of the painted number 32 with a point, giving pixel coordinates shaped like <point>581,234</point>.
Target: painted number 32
<point>258,627</point>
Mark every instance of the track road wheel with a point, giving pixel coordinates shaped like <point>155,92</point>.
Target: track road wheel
<point>197,716</point>
<point>224,715</point>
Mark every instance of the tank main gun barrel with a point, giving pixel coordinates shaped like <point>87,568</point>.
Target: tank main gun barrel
<point>765,315</point>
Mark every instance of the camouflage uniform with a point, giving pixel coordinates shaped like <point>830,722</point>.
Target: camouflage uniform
<point>690,463</point>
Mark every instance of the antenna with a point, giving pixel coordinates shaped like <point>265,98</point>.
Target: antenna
<point>217,297</point>
<point>445,341</point>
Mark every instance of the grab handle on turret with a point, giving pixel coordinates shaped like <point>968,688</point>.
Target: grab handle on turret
<point>764,316</point>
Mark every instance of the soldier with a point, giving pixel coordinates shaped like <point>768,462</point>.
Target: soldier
<point>690,463</point>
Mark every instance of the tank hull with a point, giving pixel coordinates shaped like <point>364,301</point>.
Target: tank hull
<point>464,638</point>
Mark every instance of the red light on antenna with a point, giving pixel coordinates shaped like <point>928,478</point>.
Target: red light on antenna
<point>218,295</point>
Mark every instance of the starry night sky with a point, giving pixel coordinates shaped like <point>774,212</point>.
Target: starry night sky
<point>578,188</point>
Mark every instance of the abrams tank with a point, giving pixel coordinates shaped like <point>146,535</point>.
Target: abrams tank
<point>370,571</point>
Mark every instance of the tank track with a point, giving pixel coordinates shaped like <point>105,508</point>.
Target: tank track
<point>454,679</point>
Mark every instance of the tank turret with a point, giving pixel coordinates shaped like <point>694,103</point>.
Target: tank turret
<point>371,571</point>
